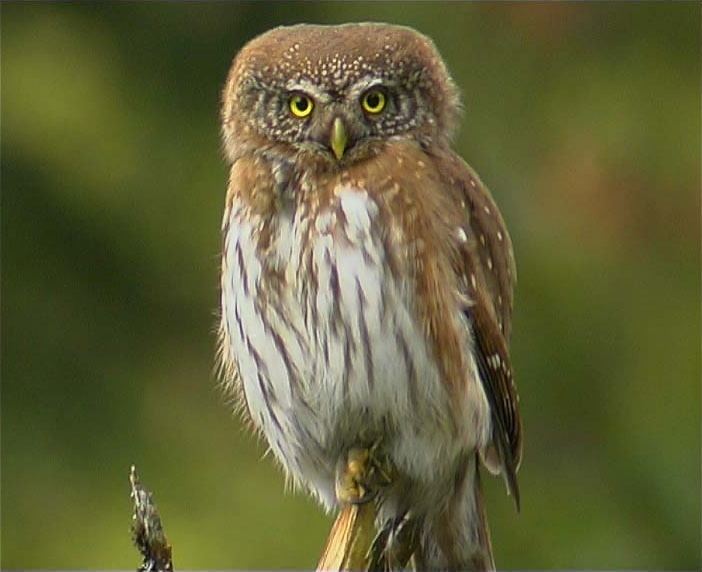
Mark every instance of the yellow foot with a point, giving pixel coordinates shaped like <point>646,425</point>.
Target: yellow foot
<point>360,475</point>
<point>351,477</point>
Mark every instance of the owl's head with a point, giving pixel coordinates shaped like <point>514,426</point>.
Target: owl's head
<point>337,92</point>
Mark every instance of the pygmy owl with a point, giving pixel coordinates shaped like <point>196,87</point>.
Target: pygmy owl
<point>367,278</point>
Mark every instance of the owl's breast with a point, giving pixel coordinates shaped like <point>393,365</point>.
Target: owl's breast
<point>322,322</point>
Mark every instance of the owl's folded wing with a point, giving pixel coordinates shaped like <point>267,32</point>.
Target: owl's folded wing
<point>487,269</point>
<point>504,453</point>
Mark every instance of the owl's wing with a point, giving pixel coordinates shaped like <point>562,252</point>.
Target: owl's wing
<point>487,269</point>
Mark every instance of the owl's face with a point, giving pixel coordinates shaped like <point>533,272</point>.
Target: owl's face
<point>336,92</point>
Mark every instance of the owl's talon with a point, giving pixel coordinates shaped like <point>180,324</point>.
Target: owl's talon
<point>382,470</point>
<point>351,475</point>
<point>360,475</point>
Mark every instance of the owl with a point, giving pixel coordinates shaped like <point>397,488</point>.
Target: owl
<point>367,280</point>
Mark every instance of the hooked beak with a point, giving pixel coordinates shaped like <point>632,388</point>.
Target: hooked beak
<point>338,138</point>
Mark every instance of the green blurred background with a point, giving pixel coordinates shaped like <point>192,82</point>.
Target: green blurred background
<point>584,119</point>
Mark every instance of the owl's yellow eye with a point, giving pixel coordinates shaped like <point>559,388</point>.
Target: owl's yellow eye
<point>373,101</point>
<point>301,105</point>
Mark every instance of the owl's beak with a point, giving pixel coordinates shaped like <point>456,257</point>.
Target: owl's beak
<point>338,138</point>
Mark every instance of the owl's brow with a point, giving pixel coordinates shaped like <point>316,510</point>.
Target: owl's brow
<point>309,88</point>
<point>323,95</point>
<point>368,82</point>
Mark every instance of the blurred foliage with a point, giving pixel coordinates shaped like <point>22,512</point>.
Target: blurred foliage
<point>583,118</point>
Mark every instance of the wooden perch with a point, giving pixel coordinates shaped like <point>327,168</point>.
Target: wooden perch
<point>147,530</point>
<point>359,477</point>
<point>350,538</point>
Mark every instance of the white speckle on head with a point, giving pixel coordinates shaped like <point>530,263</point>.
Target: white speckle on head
<point>499,236</point>
<point>489,262</point>
<point>486,209</point>
<point>473,281</point>
<point>482,239</point>
<point>472,183</point>
<point>461,235</point>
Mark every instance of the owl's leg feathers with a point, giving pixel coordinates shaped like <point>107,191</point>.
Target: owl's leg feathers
<point>457,537</point>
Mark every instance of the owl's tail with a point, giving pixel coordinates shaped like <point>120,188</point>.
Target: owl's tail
<point>457,537</point>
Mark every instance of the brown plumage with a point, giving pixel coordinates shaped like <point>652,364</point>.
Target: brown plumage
<point>367,277</point>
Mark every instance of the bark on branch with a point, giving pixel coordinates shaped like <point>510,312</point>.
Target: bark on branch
<point>147,530</point>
